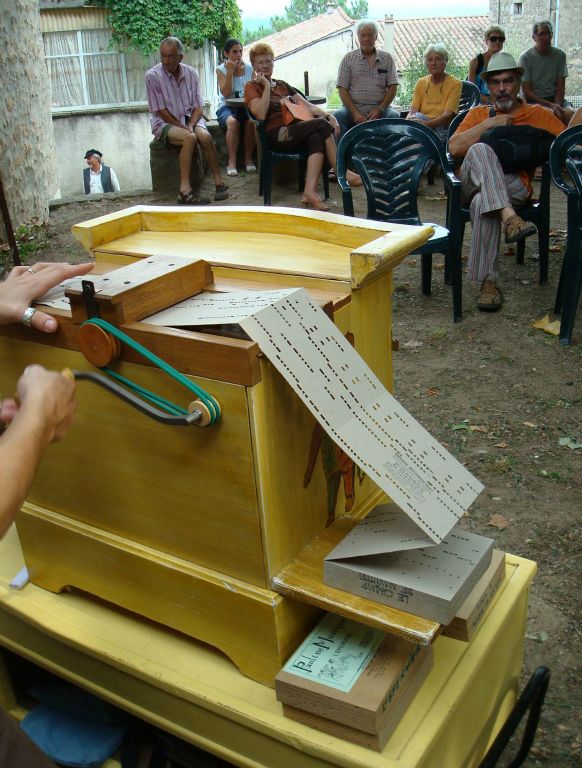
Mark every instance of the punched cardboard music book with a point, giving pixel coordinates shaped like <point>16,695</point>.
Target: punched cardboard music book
<point>470,615</point>
<point>352,681</point>
<point>384,558</point>
<point>347,399</point>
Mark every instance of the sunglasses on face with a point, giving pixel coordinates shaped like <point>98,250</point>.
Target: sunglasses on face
<point>497,39</point>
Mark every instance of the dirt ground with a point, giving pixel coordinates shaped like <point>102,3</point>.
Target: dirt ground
<point>501,396</point>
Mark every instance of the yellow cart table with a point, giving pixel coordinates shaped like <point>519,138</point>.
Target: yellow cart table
<point>197,694</point>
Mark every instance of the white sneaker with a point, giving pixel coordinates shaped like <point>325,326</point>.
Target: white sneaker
<point>251,168</point>
<point>231,172</point>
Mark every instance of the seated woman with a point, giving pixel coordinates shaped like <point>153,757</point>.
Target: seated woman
<point>263,97</point>
<point>232,76</point>
<point>494,38</point>
<point>435,100</point>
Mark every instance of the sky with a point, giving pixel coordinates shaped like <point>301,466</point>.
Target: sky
<point>258,9</point>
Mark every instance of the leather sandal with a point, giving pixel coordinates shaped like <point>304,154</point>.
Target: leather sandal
<point>189,198</point>
<point>320,206</point>
<point>490,298</point>
<point>221,192</point>
<point>515,229</point>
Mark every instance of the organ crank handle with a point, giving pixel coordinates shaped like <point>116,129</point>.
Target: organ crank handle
<point>198,412</point>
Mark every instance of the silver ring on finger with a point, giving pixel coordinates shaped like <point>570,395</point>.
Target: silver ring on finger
<point>26,318</point>
<point>31,270</point>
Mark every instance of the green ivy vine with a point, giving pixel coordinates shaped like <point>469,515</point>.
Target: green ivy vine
<point>140,25</point>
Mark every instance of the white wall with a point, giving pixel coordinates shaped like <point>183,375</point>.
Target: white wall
<point>122,136</point>
<point>321,60</point>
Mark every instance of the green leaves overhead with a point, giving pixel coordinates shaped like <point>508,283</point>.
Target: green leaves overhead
<point>140,25</point>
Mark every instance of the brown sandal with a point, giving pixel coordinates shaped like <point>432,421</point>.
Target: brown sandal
<point>515,228</point>
<point>490,298</point>
<point>189,198</point>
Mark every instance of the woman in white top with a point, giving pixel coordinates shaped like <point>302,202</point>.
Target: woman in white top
<point>232,76</point>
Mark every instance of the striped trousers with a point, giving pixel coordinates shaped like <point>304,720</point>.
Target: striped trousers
<point>489,190</point>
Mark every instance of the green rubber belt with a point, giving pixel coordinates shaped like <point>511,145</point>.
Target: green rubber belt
<point>167,405</point>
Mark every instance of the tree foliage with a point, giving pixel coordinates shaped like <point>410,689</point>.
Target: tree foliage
<point>301,10</point>
<point>140,25</point>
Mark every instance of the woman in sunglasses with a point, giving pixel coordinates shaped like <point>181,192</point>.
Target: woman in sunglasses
<point>494,38</point>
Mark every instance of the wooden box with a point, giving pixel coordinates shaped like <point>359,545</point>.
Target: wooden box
<point>188,527</point>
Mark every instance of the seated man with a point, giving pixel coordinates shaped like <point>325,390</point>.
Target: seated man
<point>175,105</point>
<point>98,178</point>
<point>492,193</point>
<point>366,80</point>
<point>545,72</point>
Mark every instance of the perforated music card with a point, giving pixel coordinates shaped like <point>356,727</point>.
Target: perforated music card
<point>218,308</point>
<point>55,297</point>
<point>356,410</point>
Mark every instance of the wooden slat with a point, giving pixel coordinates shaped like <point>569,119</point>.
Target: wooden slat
<point>303,580</point>
<point>199,354</point>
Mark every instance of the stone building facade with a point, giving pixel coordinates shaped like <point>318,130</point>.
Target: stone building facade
<point>566,16</point>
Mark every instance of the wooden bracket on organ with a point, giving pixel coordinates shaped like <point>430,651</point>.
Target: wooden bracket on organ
<point>138,290</point>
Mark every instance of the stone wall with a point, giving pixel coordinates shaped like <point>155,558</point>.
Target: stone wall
<point>566,16</point>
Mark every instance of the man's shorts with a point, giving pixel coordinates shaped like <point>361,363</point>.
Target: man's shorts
<point>163,137</point>
<point>224,112</point>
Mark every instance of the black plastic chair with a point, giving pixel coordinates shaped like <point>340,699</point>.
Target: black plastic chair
<point>269,157</point>
<point>531,699</point>
<point>535,210</point>
<point>390,155</point>
<point>567,151</point>
<point>470,97</point>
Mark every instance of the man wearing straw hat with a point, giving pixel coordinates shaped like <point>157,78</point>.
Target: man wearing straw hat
<point>493,195</point>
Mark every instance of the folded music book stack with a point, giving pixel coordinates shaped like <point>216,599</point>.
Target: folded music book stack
<point>351,681</point>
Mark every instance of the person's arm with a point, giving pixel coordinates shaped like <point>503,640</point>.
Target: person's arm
<point>346,99</point>
<point>472,76</point>
<point>319,112</point>
<point>443,119</point>
<point>114,181</point>
<point>41,413</point>
<point>22,286</point>
<point>560,91</point>
<point>169,118</point>
<point>225,81</point>
<point>462,140</point>
<point>388,98</point>
<point>259,105</point>
<point>194,118</point>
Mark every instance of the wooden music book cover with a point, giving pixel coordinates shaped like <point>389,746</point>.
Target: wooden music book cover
<point>384,558</point>
<point>471,613</point>
<point>349,674</point>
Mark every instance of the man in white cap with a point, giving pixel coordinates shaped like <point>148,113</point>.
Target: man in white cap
<point>97,177</point>
<point>493,194</point>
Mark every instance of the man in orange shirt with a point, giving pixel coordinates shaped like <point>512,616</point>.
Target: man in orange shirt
<point>492,193</point>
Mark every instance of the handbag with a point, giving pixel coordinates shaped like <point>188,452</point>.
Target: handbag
<point>519,147</point>
<point>292,110</point>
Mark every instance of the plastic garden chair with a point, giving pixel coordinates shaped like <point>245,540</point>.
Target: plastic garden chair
<point>390,155</point>
<point>567,151</point>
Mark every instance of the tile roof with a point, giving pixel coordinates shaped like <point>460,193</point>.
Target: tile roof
<point>292,39</point>
<point>465,31</point>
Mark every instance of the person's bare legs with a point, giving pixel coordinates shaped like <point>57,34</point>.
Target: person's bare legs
<point>250,140</point>
<point>209,150</point>
<point>182,138</point>
<point>232,140</point>
<point>312,173</point>
<point>331,151</point>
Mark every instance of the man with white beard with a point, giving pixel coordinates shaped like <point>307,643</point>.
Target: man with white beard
<point>493,194</point>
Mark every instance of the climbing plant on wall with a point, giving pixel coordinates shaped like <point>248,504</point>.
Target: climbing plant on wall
<point>140,25</point>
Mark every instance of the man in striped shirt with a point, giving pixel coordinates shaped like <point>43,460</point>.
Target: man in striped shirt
<point>175,103</point>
